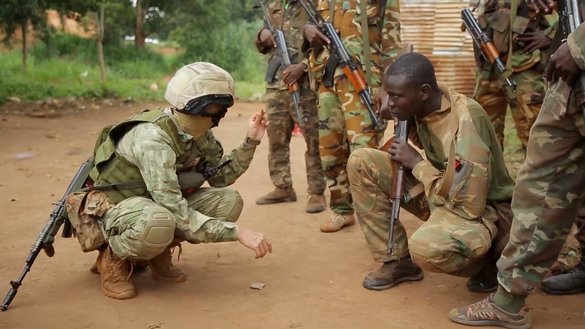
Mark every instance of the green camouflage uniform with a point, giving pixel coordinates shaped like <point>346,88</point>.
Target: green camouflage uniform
<point>526,68</point>
<point>549,191</point>
<point>459,229</point>
<point>281,111</point>
<point>343,119</point>
<point>206,216</point>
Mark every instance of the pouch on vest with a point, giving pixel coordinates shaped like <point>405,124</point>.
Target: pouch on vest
<point>83,211</point>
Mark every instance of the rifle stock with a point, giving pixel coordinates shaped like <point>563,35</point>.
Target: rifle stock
<point>485,45</point>
<point>45,238</point>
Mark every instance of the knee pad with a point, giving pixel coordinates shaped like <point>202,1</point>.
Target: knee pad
<point>159,229</point>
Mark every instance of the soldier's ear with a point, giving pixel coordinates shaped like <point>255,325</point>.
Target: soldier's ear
<point>425,92</point>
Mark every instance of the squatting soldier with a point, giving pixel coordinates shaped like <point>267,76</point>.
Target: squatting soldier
<point>466,226</point>
<point>547,196</point>
<point>343,119</point>
<point>155,150</point>
<point>288,16</point>
<point>523,44</point>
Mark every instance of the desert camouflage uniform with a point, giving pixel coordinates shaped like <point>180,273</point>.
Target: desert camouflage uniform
<point>206,216</point>
<point>343,119</point>
<point>549,191</point>
<point>281,111</point>
<point>527,68</point>
<point>458,230</point>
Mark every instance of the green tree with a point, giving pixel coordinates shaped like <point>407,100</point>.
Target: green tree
<point>16,14</point>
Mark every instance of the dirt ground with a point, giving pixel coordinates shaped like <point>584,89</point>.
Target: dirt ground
<point>313,280</point>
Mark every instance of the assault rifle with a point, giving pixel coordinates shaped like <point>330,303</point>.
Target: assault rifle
<point>190,181</point>
<point>570,19</point>
<point>401,134</point>
<point>45,239</point>
<point>351,69</point>
<point>485,45</point>
<point>284,60</point>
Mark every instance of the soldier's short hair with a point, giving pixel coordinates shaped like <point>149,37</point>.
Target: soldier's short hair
<point>416,67</point>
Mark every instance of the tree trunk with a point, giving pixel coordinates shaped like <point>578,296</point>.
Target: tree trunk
<point>100,41</point>
<point>139,37</point>
<point>23,29</point>
<point>63,21</point>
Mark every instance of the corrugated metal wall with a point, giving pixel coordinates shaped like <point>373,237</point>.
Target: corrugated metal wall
<point>434,29</point>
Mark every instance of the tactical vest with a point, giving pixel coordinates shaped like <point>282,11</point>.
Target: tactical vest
<point>112,169</point>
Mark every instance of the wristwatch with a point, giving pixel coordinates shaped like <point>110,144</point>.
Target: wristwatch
<point>251,141</point>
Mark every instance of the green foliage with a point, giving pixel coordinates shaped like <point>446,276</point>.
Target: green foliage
<point>231,47</point>
<point>60,78</point>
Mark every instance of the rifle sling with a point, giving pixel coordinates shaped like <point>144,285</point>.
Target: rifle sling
<point>445,184</point>
<point>366,39</point>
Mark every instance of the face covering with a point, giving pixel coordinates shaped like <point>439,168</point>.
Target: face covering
<point>193,125</point>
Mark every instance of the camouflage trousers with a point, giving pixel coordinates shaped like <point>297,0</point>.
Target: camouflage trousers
<point>344,126</point>
<point>282,117</point>
<point>490,94</point>
<point>548,195</point>
<point>445,242</point>
<point>139,229</point>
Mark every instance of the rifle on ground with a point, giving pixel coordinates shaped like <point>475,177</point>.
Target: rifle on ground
<point>485,45</point>
<point>283,55</point>
<point>570,19</point>
<point>351,69</point>
<point>46,237</point>
<point>401,134</point>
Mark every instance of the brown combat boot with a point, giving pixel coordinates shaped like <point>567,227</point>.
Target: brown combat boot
<point>393,273</point>
<point>315,204</point>
<point>280,194</point>
<point>162,267</point>
<point>337,222</point>
<point>115,275</point>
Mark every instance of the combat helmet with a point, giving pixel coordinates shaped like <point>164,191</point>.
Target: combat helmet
<point>196,85</point>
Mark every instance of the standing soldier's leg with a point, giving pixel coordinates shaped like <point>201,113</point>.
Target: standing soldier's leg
<point>369,172</point>
<point>489,95</point>
<point>547,197</point>
<point>280,126</point>
<point>334,151</point>
<point>572,282</point>
<point>315,178</point>
<point>529,95</point>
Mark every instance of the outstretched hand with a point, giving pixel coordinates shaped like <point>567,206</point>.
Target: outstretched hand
<point>255,241</point>
<point>257,125</point>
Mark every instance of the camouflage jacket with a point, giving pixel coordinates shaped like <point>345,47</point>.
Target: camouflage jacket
<point>287,16</point>
<point>148,147</point>
<point>384,37</point>
<point>481,173</point>
<point>495,18</point>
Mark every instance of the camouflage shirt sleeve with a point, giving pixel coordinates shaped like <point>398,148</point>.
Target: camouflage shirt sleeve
<point>467,196</point>
<point>149,148</point>
<point>576,43</point>
<point>240,157</point>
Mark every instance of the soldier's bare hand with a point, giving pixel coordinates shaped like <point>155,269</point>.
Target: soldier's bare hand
<point>534,40</point>
<point>404,153</point>
<point>255,241</point>
<point>267,38</point>
<point>562,65</point>
<point>257,125</point>
<point>293,73</point>
<point>537,6</point>
<point>314,35</point>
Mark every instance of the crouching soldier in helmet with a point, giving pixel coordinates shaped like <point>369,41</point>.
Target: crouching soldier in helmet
<point>141,166</point>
